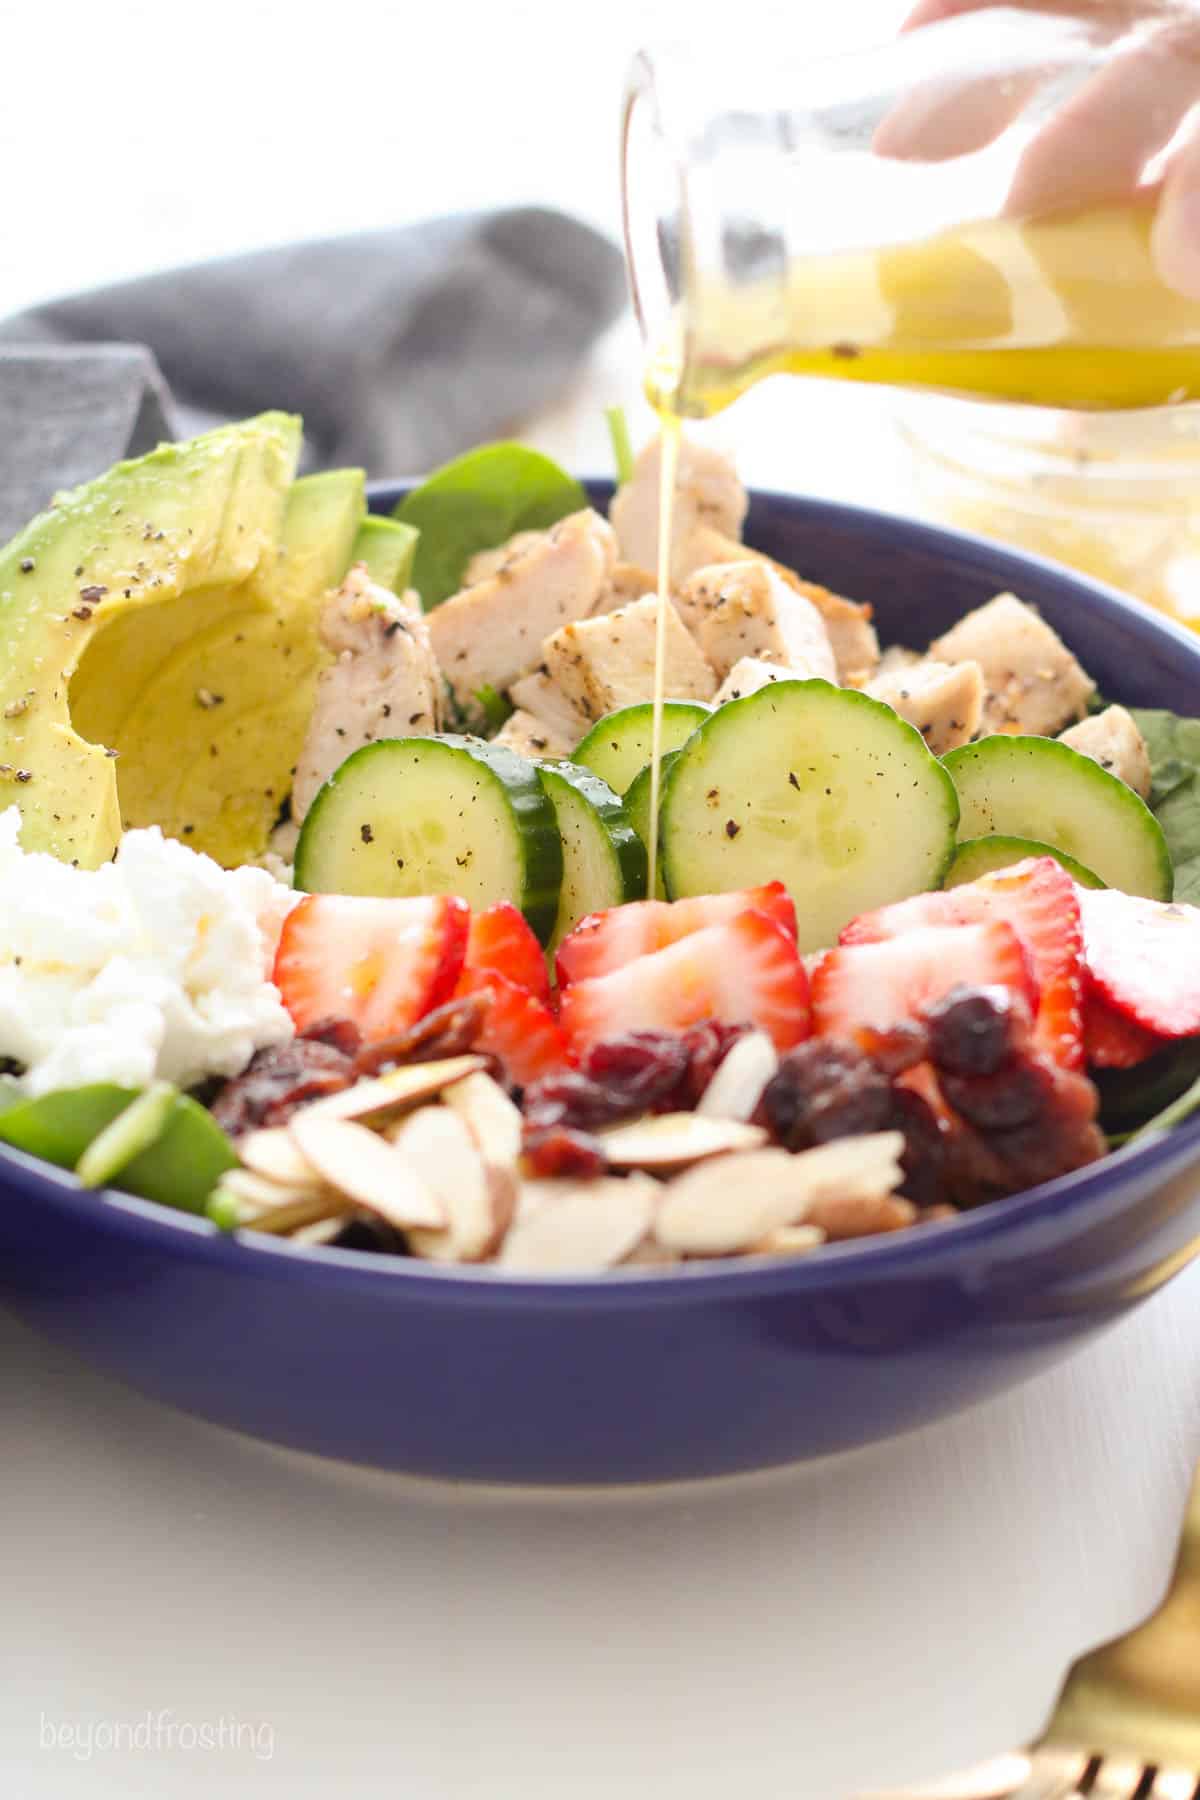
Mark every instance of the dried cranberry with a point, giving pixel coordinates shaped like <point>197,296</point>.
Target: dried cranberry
<point>448,1030</point>
<point>339,1034</point>
<point>1015,1095</point>
<point>278,1080</point>
<point>574,1100</point>
<point>924,1158</point>
<point>825,1089</point>
<point>895,1047</point>
<point>643,1069</point>
<point>707,1044</point>
<point>973,1031</point>
<point>556,1150</point>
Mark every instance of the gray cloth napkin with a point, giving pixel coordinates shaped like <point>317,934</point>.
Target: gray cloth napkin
<point>400,348</point>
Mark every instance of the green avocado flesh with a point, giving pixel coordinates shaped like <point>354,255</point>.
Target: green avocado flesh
<point>167,612</point>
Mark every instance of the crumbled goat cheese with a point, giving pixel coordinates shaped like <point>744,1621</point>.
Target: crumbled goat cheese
<point>156,964</point>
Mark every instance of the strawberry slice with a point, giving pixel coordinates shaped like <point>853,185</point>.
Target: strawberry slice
<point>503,941</point>
<point>886,983</point>
<point>605,941</point>
<point>382,963</point>
<point>1040,901</point>
<point>518,1029</point>
<point>1110,1041</point>
<point>1143,957</point>
<point>745,971</point>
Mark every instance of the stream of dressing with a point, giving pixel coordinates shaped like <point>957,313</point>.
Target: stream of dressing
<point>669,441</point>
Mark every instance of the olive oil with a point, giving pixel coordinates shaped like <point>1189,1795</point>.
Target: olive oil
<point>669,464</point>
<point>1064,311</point>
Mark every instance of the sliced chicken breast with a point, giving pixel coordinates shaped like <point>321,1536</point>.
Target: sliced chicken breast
<point>489,634</point>
<point>741,609</point>
<point>707,493</point>
<point>604,663</point>
<point>943,700</point>
<point>529,737</point>
<point>541,696</point>
<point>1033,683</point>
<point>749,674</point>
<point>1112,739</point>
<point>385,681</point>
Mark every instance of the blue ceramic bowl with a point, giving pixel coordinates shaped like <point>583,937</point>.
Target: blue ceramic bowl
<point>642,1377</point>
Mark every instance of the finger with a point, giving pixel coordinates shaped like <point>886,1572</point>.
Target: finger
<point>1175,240</point>
<point>1098,143</point>
<point>940,119</point>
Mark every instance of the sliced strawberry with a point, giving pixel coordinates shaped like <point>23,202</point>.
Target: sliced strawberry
<point>503,941</point>
<point>885,983</point>
<point>1143,957</point>
<point>382,963</point>
<point>744,972</point>
<point>1040,901</point>
<point>518,1029</point>
<point>1111,1041</point>
<point>605,941</point>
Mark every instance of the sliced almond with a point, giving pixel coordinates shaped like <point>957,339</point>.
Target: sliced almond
<point>789,1240</point>
<point>273,1155</point>
<point>408,1086</point>
<point>366,1168</point>
<point>592,1225</point>
<point>490,1116</point>
<point>729,1204</point>
<point>436,1143</point>
<point>258,1191</point>
<point>290,1215</point>
<point>321,1231</point>
<point>673,1140</point>
<point>737,1087</point>
<point>650,1254</point>
<point>539,1191</point>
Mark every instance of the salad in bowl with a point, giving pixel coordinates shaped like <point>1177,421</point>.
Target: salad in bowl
<point>323,884</point>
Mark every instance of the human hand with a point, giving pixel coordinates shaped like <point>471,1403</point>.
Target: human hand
<point>1133,123</point>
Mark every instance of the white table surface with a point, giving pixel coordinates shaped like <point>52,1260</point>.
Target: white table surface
<point>165,1585</point>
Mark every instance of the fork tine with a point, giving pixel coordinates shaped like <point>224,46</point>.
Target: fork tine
<point>1058,1775</point>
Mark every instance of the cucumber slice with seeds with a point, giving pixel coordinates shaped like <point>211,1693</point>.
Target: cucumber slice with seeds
<point>618,746</point>
<point>435,815</point>
<point>604,862</point>
<point>979,856</point>
<point>1035,787</point>
<point>820,787</point>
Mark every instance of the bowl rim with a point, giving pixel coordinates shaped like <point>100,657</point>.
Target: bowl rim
<point>881,1258</point>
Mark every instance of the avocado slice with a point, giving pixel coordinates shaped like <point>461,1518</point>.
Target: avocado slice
<point>388,549</point>
<point>207,700</point>
<point>194,519</point>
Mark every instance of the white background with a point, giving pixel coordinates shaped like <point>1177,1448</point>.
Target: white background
<point>789,1637</point>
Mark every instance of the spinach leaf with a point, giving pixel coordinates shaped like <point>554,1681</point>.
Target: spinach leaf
<point>1131,1100</point>
<point>475,503</point>
<point>1174,746</point>
<point>496,708</point>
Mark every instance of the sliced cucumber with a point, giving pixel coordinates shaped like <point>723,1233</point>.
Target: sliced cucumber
<point>388,548</point>
<point>618,747</point>
<point>820,787</point>
<point>1035,787</point>
<point>979,856</point>
<point>604,861</point>
<point>435,815</point>
<point>637,805</point>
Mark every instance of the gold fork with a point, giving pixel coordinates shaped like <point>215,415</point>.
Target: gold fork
<point>1127,1722</point>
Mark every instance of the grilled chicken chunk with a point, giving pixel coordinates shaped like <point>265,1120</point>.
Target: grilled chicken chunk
<point>529,737</point>
<point>943,700</point>
<point>629,583</point>
<point>1033,683</point>
<point>608,662</point>
<point>486,563</point>
<point>746,608</point>
<point>542,697</point>
<point>707,494</point>
<point>749,674</point>
<point>384,683</point>
<point>1112,739</point>
<point>848,624</point>
<point>489,634</point>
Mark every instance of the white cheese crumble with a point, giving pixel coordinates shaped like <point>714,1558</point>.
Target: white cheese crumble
<point>156,964</point>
